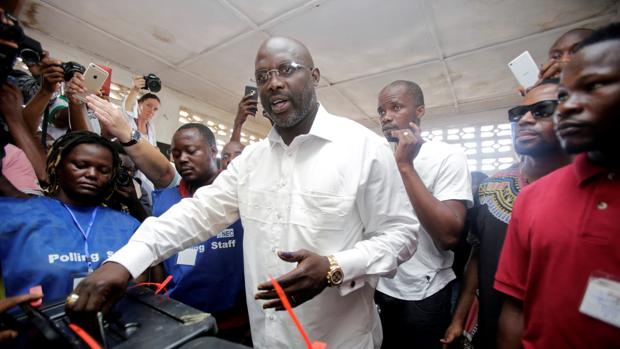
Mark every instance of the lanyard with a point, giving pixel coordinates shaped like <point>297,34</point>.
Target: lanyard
<point>85,233</point>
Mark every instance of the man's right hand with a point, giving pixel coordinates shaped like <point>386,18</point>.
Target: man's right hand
<point>99,291</point>
<point>247,106</point>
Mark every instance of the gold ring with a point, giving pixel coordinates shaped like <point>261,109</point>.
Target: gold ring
<point>73,297</point>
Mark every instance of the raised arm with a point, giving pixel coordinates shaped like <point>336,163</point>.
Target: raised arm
<point>77,109</point>
<point>147,158</point>
<point>10,105</point>
<point>132,97</point>
<point>52,75</point>
<point>442,218</point>
<point>247,106</point>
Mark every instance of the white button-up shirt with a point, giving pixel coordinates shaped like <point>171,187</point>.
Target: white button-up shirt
<point>334,191</point>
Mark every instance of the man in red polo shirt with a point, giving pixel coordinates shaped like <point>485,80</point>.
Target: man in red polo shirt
<point>560,265</point>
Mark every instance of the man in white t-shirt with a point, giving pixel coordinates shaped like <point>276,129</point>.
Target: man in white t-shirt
<point>415,304</point>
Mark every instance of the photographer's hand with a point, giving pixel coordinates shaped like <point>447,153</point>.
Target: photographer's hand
<point>52,74</point>
<point>138,83</point>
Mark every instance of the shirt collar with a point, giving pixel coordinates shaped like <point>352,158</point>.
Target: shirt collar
<point>585,169</point>
<point>321,128</point>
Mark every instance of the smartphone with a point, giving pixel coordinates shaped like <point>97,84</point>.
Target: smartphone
<point>524,69</point>
<point>251,90</point>
<point>94,77</point>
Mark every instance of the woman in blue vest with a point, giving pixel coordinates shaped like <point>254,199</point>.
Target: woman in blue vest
<point>56,240</point>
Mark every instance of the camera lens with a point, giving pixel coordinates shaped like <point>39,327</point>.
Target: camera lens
<point>152,83</point>
<point>30,57</point>
<point>123,178</point>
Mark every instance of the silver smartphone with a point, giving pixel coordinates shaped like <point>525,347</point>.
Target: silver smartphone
<point>94,77</point>
<point>524,69</point>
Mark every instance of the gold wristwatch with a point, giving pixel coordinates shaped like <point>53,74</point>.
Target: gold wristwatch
<point>334,274</point>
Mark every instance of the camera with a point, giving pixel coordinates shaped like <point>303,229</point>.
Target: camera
<point>152,83</point>
<point>29,49</point>
<point>123,178</point>
<point>70,68</point>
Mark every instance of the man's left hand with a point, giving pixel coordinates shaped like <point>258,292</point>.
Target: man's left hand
<point>301,284</point>
<point>409,141</point>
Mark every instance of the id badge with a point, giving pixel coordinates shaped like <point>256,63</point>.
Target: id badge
<point>187,256</point>
<point>77,278</point>
<point>602,299</point>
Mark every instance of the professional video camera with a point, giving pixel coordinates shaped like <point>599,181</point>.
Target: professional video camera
<point>17,44</point>
<point>152,83</point>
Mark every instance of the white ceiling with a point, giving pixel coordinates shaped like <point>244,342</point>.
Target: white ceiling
<point>457,50</point>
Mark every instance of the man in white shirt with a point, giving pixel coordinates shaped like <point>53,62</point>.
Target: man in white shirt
<point>415,304</point>
<point>330,201</point>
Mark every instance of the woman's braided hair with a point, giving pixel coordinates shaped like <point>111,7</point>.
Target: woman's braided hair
<point>61,148</point>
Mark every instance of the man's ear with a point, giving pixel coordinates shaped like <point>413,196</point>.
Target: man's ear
<point>316,76</point>
<point>420,110</point>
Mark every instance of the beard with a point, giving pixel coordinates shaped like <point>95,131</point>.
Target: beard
<point>301,105</point>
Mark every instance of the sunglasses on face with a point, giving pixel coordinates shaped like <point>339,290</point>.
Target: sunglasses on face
<point>284,70</point>
<point>542,109</point>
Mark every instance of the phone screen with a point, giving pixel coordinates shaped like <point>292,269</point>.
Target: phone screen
<point>249,90</point>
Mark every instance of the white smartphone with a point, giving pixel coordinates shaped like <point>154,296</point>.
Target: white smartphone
<point>524,69</point>
<point>94,77</point>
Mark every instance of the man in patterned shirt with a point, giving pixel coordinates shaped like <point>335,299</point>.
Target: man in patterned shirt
<point>536,143</point>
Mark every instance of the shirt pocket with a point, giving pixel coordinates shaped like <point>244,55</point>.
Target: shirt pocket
<point>321,212</point>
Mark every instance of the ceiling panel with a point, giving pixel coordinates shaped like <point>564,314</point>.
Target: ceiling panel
<point>353,38</point>
<point>429,76</point>
<point>199,89</point>
<point>464,25</point>
<point>337,104</point>
<point>159,26</point>
<point>46,20</point>
<point>267,9</point>
<point>231,66</point>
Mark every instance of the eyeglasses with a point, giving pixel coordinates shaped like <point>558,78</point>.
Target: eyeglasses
<point>284,70</point>
<point>542,109</point>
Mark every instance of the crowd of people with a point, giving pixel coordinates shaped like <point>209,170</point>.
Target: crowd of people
<point>364,238</point>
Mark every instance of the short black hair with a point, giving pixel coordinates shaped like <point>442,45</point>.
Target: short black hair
<point>61,148</point>
<point>148,96</point>
<point>414,89</point>
<point>608,32</point>
<point>206,132</point>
